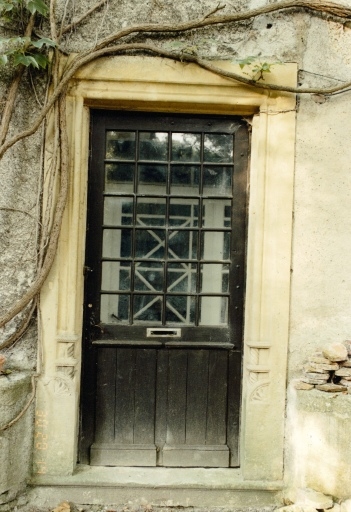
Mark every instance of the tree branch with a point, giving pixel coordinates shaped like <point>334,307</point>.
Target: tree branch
<point>72,25</point>
<point>12,93</point>
<point>55,230</point>
<point>21,329</point>
<point>25,408</point>
<point>91,54</point>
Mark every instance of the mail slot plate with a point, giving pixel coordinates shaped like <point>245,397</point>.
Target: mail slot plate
<point>159,332</point>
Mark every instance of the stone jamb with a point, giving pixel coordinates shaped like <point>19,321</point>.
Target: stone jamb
<point>146,83</point>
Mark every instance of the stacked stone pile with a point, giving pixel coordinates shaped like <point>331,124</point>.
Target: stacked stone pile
<point>329,370</point>
<point>309,500</point>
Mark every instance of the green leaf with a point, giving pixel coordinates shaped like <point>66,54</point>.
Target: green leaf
<point>44,41</point>
<point>3,60</point>
<point>26,60</point>
<point>41,60</point>
<point>37,6</point>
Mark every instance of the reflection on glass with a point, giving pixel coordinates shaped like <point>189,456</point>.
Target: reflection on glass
<point>118,211</point>
<point>148,276</point>
<point>153,146</point>
<point>150,243</point>
<point>147,308</point>
<point>152,179</point>
<point>217,181</point>
<point>184,214</point>
<point>119,177</point>
<point>150,211</point>
<point>186,147</point>
<point>216,213</point>
<point>182,245</point>
<point>115,276</point>
<point>213,311</point>
<point>117,243</point>
<point>180,310</point>
<point>215,245</point>
<point>114,309</point>
<point>218,147</point>
<point>214,278</point>
<point>181,277</point>
<point>120,145</point>
<point>185,179</point>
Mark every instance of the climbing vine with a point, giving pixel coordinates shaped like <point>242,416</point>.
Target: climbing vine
<point>30,47</point>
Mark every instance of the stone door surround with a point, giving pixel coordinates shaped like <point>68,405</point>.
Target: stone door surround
<point>154,84</point>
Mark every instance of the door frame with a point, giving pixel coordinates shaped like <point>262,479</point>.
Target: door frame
<point>120,82</point>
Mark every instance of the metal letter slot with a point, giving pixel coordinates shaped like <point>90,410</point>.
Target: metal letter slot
<point>163,333</point>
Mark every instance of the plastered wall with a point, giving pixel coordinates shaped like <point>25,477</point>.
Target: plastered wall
<point>321,277</point>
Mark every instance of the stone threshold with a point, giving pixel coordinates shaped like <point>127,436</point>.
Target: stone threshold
<point>162,487</point>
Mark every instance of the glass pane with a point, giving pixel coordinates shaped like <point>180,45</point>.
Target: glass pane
<point>147,308</point>
<point>118,211</point>
<point>184,214</point>
<point>119,177</point>
<point>152,179</point>
<point>153,146</point>
<point>218,147</point>
<point>185,179</point>
<point>213,311</point>
<point>148,276</point>
<point>115,276</point>
<point>120,145</point>
<point>151,211</point>
<point>214,278</point>
<point>150,243</point>
<point>215,245</point>
<point>180,310</point>
<point>117,243</point>
<point>182,245</point>
<point>216,213</point>
<point>186,147</point>
<point>114,309</point>
<point>218,180</point>
<point>181,277</point>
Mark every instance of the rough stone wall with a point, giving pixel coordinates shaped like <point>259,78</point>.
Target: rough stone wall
<point>321,266</point>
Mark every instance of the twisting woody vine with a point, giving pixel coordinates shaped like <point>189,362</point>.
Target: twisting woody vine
<point>111,45</point>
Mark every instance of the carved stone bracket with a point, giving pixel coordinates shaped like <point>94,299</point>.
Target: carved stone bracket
<point>258,368</point>
<point>66,360</point>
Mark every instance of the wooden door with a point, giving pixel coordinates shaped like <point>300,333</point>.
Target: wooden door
<point>165,265</point>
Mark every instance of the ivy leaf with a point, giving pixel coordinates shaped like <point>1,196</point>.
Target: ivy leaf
<point>37,6</point>
<point>26,60</point>
<point>3,60</point>
<point>41,60</point>
<point>44,41</point>
<point>247,61</point>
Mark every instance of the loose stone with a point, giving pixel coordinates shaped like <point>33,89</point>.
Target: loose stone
<point>322,376</point>
<point>313,381</point>
<point>331,388</point>
<point>318,358</point>
<point>323,367</point>
<point>343,372</point>
<point>346,364</point>
<point>335,352</point>
<point>313,498</point>
<point>315,369</point>
<point>303,385</point>
<point>345,382</point>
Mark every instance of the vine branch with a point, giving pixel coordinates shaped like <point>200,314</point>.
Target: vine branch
<point>108,46</point>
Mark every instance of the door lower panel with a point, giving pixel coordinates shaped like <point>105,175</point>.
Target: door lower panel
<point>165,407</point>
